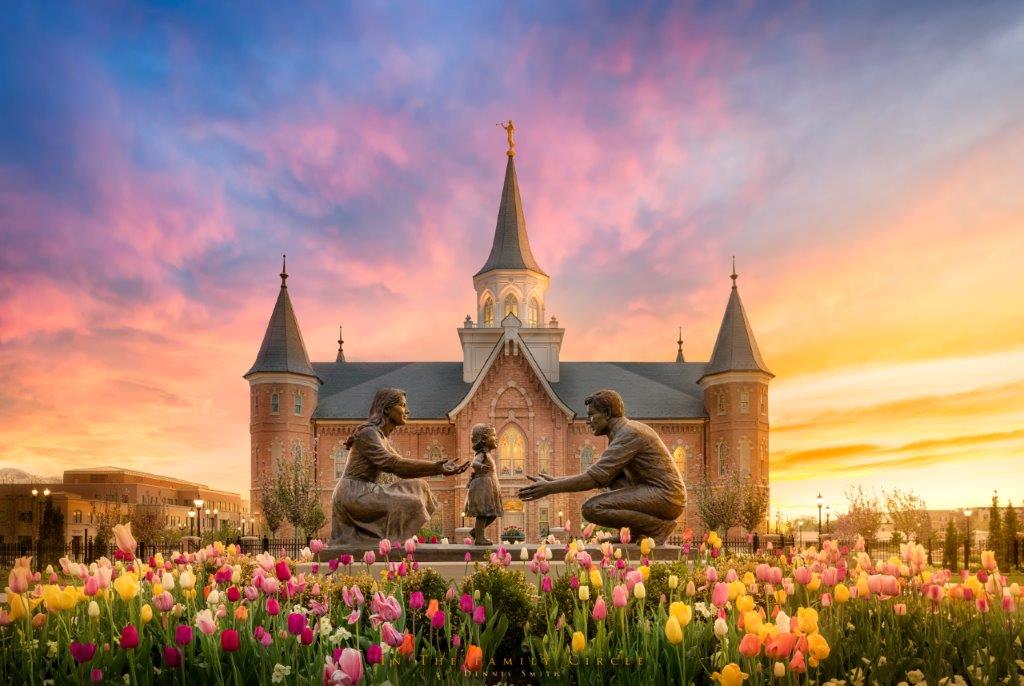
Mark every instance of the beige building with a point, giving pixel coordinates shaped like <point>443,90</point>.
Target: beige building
<point>87,496</point>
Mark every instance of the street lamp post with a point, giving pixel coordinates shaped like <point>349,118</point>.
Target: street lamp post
<point>561,520</point>
<point>191,522</point>
<point>198,502</point>
<point>252,526</point>
<point>820,501</point>
<point>967,538</point>
<point>216,522</point>
<point>828,518</point>
<point>463,513</point>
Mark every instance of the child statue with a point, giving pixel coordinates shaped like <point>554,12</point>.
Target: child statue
<point>484,499</point>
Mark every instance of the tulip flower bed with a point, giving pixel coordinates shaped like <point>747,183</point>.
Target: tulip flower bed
<point>216,616</point>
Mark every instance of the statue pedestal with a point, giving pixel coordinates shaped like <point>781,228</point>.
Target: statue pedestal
<point>558,532</point>
<point>461,532</point>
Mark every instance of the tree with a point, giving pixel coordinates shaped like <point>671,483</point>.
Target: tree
<point>995,529</point>
<point>148,522</point>
<point>105,518</point>
<point>909,514</point>
<point>754,505</point>
<point>51,526</point>
<point>270,507</point>
<point>1011,529</point>
<point>864,517</point>
<point>950,547</point>
<point>295,489</point>
<point>719,505</point>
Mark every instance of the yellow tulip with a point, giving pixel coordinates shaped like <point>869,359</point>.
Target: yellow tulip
<point>584,593</point>
<point>146,613</point>
<point>579,642</point>
<point>639,591</point>
<point>57,599</point>
<point>127,586</point>
<point>752,622</point>
<point>807,620</point>
<point>780,597</point>
<point>748,578</point>
<point>842,593</point>
<point>815,583</point>
<point>596,580</point>
<point>673,632</point>
<point>645,572</point>
<point>673,581</point>
<point>730,675</point>
<point>645,546</point>
<point>681,611</point>
<point>818,646</point>
<point>19,605</point>
<point>157,589</point>
<point>745,603</point>
<point>736,589</point>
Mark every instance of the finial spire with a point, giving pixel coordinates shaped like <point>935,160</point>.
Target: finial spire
<point>734,275</point>
<point>284,271</point>
<point>341,345</point>
<point>510,130</point>
<point>679,352</point>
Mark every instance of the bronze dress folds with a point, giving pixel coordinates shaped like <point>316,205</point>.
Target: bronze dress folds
<point>484,499</point>
<point>366,511</point>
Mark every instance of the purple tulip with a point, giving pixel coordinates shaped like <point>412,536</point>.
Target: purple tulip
<point>437,621</point>
<point>183,634</point>
<point>374,655</point>
<point>172,656</point>
<point>346,559</point>
<point>466,603</point>
<point>82,652</point>
<point>416,600</point>
<point>479,615</point>
<point>546,584</point>
<point>296,623</point>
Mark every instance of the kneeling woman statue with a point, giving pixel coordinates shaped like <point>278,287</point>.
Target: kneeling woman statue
<point>365,511</point>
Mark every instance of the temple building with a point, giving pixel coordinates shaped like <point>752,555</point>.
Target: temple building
<point>713,415</point>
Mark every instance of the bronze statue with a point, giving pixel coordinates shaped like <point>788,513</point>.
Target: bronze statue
<point>646,491</point>
<point>484,499</point>
<point>365,510</point>
<point>510,130</point>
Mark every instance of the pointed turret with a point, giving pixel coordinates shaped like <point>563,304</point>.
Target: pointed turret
<point>735,349</point>
<point>341,346</point>
<point>282,349</point>
<point>511,247</point>
<point>679,351</point>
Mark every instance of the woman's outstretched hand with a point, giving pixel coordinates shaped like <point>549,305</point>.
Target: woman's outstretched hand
<point>451,467</point>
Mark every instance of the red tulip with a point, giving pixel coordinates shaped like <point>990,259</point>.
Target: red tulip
<point>229,642</point>
<point>129,637</point>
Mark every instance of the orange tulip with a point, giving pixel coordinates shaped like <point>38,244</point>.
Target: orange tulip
<point>407,646</point>
<point>432,608</point>
<point>474,659</point>
<point>241,613</point>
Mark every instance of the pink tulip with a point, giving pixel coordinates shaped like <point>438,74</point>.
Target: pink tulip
<point>546,584</point>
<point>369,558</point>
<point>438,620</point>
<point>730,576</point>
<point>982,603</point>
<point>802,575</point>
<point>306,638</point>
<point>450,593</point>
<point>826,600</point>
<point>479,615</point>
<point>346,669</point>
<point>416,600</point>
<point>600,610</point>
<point>82,652</point>
<point>1009,604</point>
<point>183,634</point>
<point>620,596</point>
<point>96,675</point>
<point>900,609</point>
<point>624,535</point>
<point>125,541</point>
<point>711,575</point>
<point>410,546</point>
<point>316,546</point>
<point>282,571</point>
<point>270,585</point>
<point>720,596</point>
<point>374,654</point>
<point>296,622</point>
<point>390,635</point>
<point>92,586</point>
<point>466,603</point>
<point>384,547</point>
<point>205,622</point>
<point>164,602</point>
<point>273,607</point>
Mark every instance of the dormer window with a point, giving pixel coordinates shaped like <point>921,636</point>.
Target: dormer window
<point>533,314</point>
<point>488,313</point>
<point>511,305</point>
<point>275,403</point>
<point>298,403</point>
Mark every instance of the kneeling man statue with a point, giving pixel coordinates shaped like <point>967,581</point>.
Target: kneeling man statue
<point>646,491</point>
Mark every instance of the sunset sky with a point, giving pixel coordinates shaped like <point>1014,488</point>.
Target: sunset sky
<point>863,161</point>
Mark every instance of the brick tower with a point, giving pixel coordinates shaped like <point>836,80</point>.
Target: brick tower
<point>283,393</point>
<point>735,384</point>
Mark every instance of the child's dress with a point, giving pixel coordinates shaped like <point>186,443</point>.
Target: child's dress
<point>484,499</point>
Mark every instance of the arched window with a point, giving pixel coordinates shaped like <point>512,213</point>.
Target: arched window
<point>296,452</point>
<point>679,456</point>
<point>340,457</point>
<point>721,402</point>
<point>544,457</point>
<point>744,457</point>
<point>586,458</point>
<point>298,403</point>
<point>275,403</point>
<point>744,401</point>
<point>255,404</point>
<point>76,517</point>
<point>722,453</point>
<point>435,453</point>
<point>511,305</point>
<point>764,402</point>
<point>764,459</point>
<point>533,313</point>
<point>488,313</point>
<point>511,452</point>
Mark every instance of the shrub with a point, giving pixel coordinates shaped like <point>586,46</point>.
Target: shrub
<point>511,597</point>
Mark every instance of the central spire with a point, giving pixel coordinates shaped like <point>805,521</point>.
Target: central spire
<point>511,247</point>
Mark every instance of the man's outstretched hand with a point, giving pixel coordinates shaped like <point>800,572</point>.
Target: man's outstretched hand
<point>450,467</point>
<point>540,487</point>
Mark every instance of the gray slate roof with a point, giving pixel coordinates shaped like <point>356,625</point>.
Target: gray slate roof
<point>282,349</point>
<point>511,247</point>
<point>735,348</point>
<point>651,390</point>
